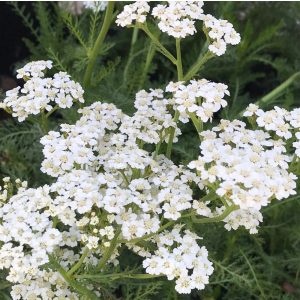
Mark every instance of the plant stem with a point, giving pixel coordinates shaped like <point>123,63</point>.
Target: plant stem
<point>149,58</point>
<point>49,113</point>
<point>179,60</point>
<point>107,254</point>
<point>44,123</point>
<point>147,236</point>
<point>171,137</point>
<point>219,218</point>
<point>198,65</point>
<point>119,276</point>
<point>98,43</point>
<point>75,285</point>
<point>278,90</point>
<point>177,114</point>
<point>79,263</point>
<point>157,43</point>
<point>197,123</point>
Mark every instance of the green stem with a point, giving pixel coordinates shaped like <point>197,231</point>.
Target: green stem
<point>278,90</point>
<point>177,114</point>
<point>44,123</point>
<point>157,43</point>
<point>75,285</point>
<point>179,60</point>
<point>197,123</point>
<point>118,276</point>
<point>149,58</point>
<point>171,137</point>
<point>130,56</point>
<point>107,254</point>
<point>124,177</point>
<point>219,218</point>
<point>198,65</point>
<point>49,113</point>
<point>79,263</point>
<point>98,43</point>
<point>147,236</point>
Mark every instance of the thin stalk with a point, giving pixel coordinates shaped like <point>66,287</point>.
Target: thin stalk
<point>219,218</point>
<point>107,254</point>
<point>130,56</point>
<point>49,113</point>
<point>177,114</point>
<point>75,285</point>
<point>171,137</point>
<point>98,44</point>
<point>79,263</point>
<point>179,60</point>
<point>198,65</point>
<point>147,236</point>
<point>198,124</point>
<point>118,276</point>
<point>124,177</point>
<point>149,58</point>
<point>158,44</point>
<point>44,123</point>
<point>278,90</point>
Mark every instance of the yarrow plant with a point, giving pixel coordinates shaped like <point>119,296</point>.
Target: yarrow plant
<point>115,186</point>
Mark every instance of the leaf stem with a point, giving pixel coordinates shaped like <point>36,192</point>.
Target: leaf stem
<point>79,263</point>
<point>219,218</point>
<point>98,43</point>
<point>75,285</point>
<point>158,44</point>
<point>107,254</point>
<point>198,65</point>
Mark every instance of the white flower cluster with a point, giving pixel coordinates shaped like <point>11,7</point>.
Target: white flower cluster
<point>152,119</point>
<point>245,166</point>
<point>95,6</point>
<point>180,257</point>
<point>285,124</point>
<point>28,237</point>
<point>34,69</point>
<point>78,7</point>
<point>177,18</point>
<point>77,144</point>
<point>40,93</point>
<point>200,97</point>
<point>105,181</point>
<point>221,32</point>
<point>136,11</point>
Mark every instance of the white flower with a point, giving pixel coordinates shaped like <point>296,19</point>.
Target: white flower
<point>39,94</point>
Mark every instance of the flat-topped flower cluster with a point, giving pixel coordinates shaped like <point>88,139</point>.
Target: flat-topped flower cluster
<point>177,19</point>
<point>40,93</point>
<point>110,189</point>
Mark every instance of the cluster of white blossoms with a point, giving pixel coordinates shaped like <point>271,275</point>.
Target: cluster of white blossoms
<point>200,97</point>
<point>285,124</point>
<point>136,11</point>
<point>27,237</point>
<point>177,19</point>
<point>95,6</point>
<point>78,7</point>
<point>39,93</point>
<point>221,32</point>
<point>245,167</point>
<point>151,121</point>
<point>180,257</point>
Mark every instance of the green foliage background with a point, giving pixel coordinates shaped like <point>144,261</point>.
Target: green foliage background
<point>263,68</point>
